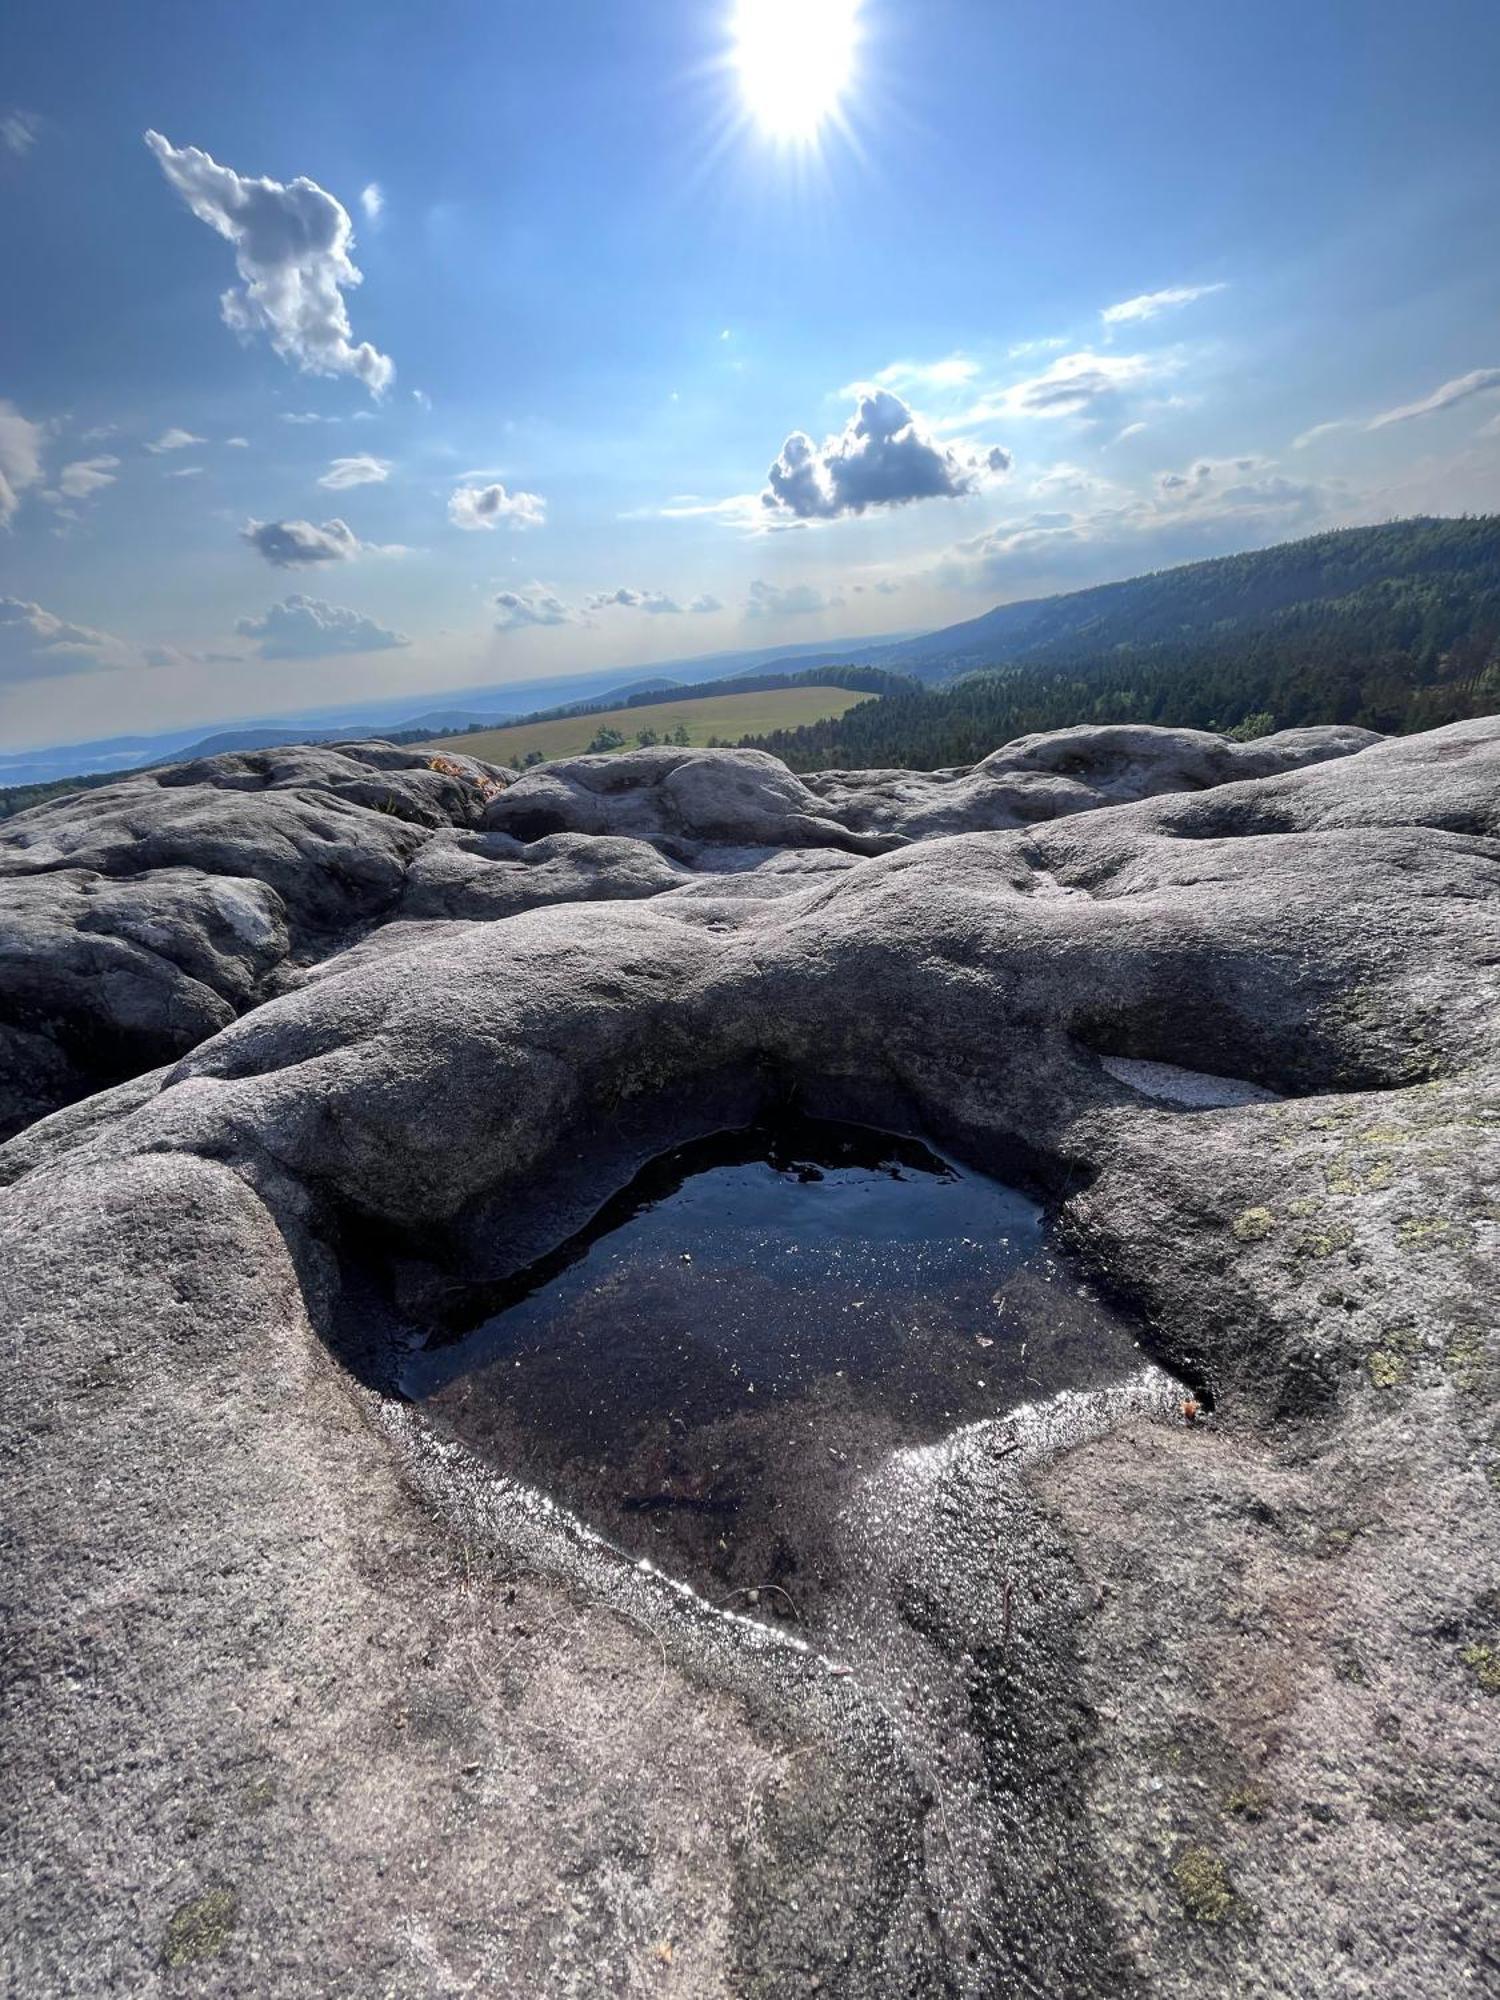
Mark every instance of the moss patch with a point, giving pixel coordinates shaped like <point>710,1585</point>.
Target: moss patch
<point>1203,1884</point>
<point>1387,1370</point>
<point>1253,1225</point>
<point>201,1928</point>
<point>1249,1802</point>
<point>1423,1232</point>
<point>1484,1662</point>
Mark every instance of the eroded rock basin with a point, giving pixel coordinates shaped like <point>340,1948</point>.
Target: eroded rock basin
<point>755,1321</point>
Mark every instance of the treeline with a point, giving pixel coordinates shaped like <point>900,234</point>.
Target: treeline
<point>21,798</point>
<point>1393,659</point>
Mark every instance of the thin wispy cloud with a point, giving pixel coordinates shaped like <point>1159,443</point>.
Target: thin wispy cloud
<point>372,201</point>
<point>19,132</point>
<point>1079,384</point>
<point>1462,389</point>
<point>87,476</point>
<point>175,439</point>
<point>1150,305</point>
<point>361,470</point>
<point>20,459</point>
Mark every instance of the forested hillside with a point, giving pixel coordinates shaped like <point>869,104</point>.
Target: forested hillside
<point>1425,556</point>
<point>1412,641</point>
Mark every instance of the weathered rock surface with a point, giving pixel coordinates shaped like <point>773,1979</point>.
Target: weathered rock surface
<point>305,1700</point>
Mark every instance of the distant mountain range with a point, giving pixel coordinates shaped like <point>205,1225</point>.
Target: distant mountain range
<point>487,704</point>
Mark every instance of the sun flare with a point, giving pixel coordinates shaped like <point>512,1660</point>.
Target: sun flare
<point>796,62</point>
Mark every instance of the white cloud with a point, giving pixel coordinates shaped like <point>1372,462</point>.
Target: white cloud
<point>372,201</point>
<point>952,373</point>
<point>1130,431</point>
<point>86,476</point>
<point>485,506</point>
<point>291,245</point>
<point>358,471</point>
<point>773,600</point>
<point>304,628</point>
<point>656,602</point>
<point>36,645</point>
<point>1478,382</point>
<point>184,472</point>
<point>1147,305</point>
<point>883,457</point>
<point>20,458</point>
<point>238,444</point>
<point>175,439</point>
<point>1074,385</point>
<point>704,603</point>
<point>296,544</point>
<point>307,417</point>
<point>19,131</point>
<point>1211,506</point>
<point>535,605</point>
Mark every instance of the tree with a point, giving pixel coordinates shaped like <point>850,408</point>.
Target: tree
<point>607,738</point>
<point>647,738</point>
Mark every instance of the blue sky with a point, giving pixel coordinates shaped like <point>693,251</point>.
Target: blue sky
<point>1050,294</point>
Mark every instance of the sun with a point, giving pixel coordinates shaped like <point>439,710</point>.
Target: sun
<point>796,62</point>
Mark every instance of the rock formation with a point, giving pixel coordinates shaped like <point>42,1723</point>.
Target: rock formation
<point>303,1699</point>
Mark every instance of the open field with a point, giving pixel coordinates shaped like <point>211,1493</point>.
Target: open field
<point>728,716</point>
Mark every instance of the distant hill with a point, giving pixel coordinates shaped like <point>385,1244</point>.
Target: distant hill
<point>1220,595</point>
<point>1393,628</point>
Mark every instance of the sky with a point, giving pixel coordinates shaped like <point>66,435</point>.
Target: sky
<point>355,350</point>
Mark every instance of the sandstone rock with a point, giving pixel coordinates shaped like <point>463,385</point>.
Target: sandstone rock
<point>1107,1702</point>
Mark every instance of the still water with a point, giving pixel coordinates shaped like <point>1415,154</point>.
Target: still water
<point>757,1320</point>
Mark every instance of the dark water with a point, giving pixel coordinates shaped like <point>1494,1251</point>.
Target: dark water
<point>754,1322</point>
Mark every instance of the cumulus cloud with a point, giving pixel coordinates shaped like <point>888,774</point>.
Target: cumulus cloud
<point>175,439</point>
<point>361,470</point>
<point>291,247</point>
<point>654,601</point>
<point>372,201</point>
<point>86,476</point>
<point>36,645</point>
<point>20,458</point>
<point>1478,382</point>
<point>535,605</point>
<point>1147,305</point>
<point>19,131</point>
<point>486,506</point>
<point>704,603</point>
<point>296,544</point>
<point>883,457</point>
<point>777,600</point>
<point>304,628</point>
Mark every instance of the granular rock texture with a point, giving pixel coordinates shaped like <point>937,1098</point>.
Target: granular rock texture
<point>1182,1688</point>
